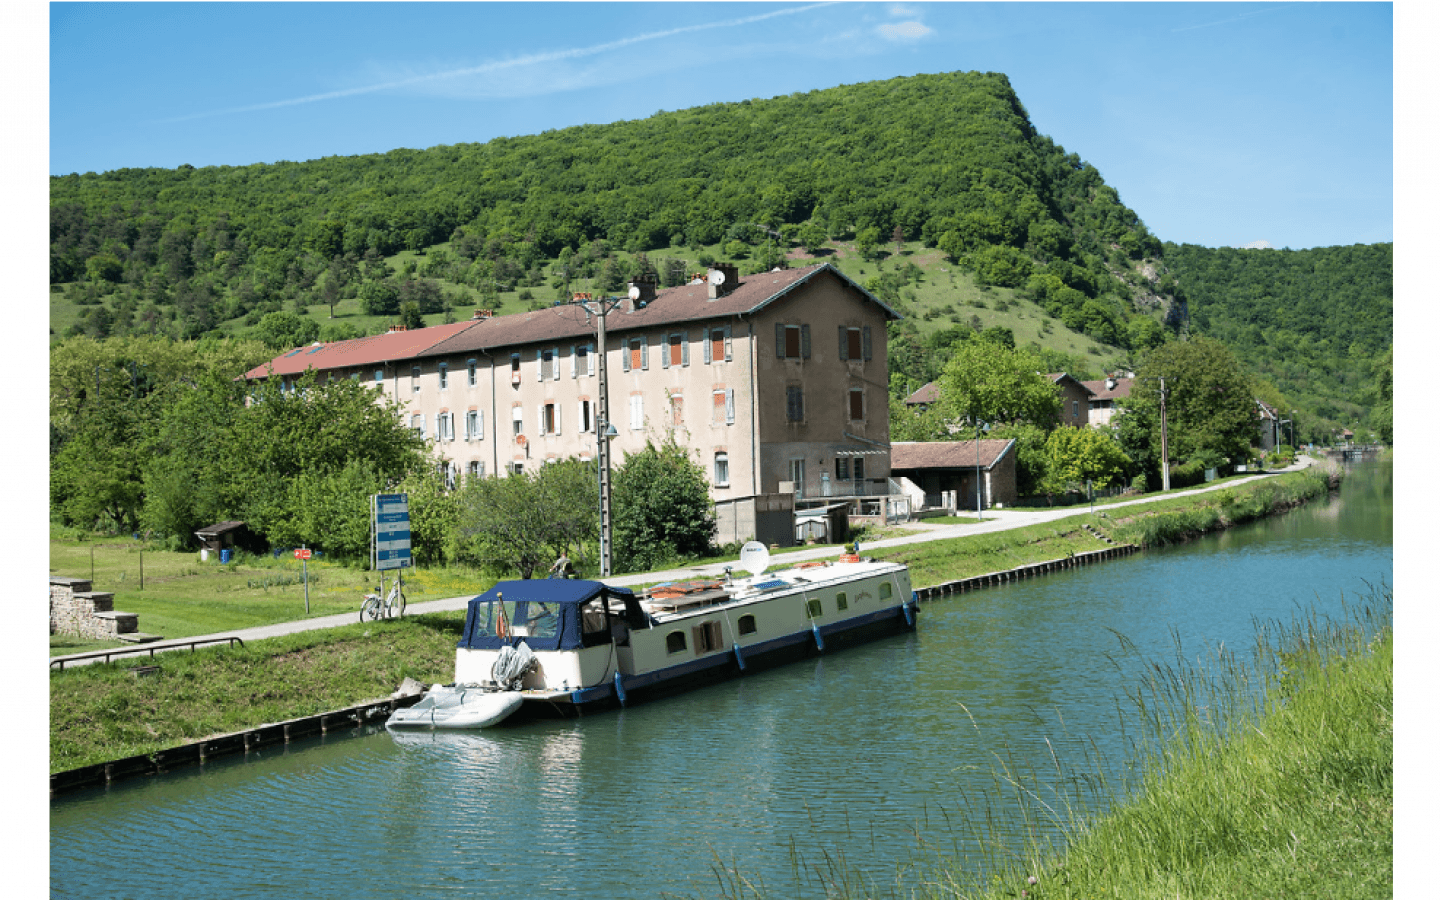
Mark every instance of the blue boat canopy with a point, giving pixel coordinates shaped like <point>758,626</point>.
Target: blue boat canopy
<point>547,614</point>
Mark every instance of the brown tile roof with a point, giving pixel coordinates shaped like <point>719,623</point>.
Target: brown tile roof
<point>1058,377</point>
<point>927,394</point>
<point>687,303</point>
<point>946,454</point>
<point>366,351</point>
<point>1101,392</point>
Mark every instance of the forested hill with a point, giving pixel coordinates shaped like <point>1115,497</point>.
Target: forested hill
<point>1313,322</point>
<point>951,160</point>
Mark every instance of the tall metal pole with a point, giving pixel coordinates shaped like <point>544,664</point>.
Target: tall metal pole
<point>977,474</point>
<point>1164,442</point>
<point>602,455</point>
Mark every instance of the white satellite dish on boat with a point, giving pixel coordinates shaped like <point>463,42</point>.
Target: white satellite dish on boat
<point>754,558</point>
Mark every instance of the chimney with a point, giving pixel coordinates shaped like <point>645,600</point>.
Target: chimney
<point>642,290</point>
<point>722,279</point>
<point>483,314</point>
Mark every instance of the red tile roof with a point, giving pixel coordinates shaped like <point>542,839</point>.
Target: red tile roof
<point>946,454</point>
<point>687,303</point>
<point>366,351</point>
<point>927,394</point>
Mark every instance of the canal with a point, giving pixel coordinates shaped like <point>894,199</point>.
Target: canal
<point>875,759</point>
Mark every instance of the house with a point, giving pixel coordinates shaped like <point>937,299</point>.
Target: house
<point>776,383</point>
<point>924,396</point>
<point>938,467</point>
<point>1074,399</point>
<point>1269,424</point>
<point>1103,394</point>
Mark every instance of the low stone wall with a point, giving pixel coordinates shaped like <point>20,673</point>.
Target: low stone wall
<point>76,609</point>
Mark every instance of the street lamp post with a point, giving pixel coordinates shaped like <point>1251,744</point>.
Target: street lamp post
<point>979,481</point>
<point>1164,442</point>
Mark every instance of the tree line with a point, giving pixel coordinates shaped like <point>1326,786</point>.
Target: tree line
<point>154,436</point>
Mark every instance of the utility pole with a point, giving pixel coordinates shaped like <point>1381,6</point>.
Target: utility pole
<point>1164,442</point>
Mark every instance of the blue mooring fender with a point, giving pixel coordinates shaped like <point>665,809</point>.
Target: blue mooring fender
<point>739,658</point>
<point>819,641</point>
<point>620,688</point>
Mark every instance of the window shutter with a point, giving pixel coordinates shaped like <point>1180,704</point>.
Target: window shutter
<point>804,341</point>
<point>644,353</point>
<point>729,406</point>
<point>557,418</point>
<point>665,351</point>
<point>555,364</point>
<point>573,358</point>
<point>709,356</point>
<point>590,360</point>
<point>540,427</point>
<point>779,341</point>
<point>727,343</point>
<point>865,340</point>
<point>625,356</point>
<point>539,365</point>
<point>844,344</point>
<point>685,349</point>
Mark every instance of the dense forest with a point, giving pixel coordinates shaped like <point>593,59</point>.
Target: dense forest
<point>1315,323</point>
<point>950,161</point>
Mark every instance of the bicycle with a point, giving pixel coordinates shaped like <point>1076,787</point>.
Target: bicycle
<point>376,607</point>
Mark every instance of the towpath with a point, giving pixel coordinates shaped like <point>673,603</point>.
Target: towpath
<point>994,520</point>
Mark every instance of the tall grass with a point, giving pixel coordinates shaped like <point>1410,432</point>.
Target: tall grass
<point>1251,775</point>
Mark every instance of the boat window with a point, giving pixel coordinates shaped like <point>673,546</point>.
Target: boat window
<point>814,610</point>
<point>675,642</point>
<point>747,625</point>
<point>539,620</point>
<point>592,616</point>
<point>885,590</point>
<point>708,637</point>
<point>841,602</point>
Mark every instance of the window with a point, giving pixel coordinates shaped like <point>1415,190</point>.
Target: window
<point>797,475</point>
<point>444,371</point>
<point>841,602</point>
<point>417,425</point>
<point>637,412</point>
<point>722,469</point>
<point>514,368</point>
<point>675,642</point>
<point>857,404</point>
<point>792,341</point>
<point>717,344</point>
<point>1074,409</point>
<point>746,625</point>
<point>470,371</point>
<point>859,468</point>
<point>677,351</point>
<point>549,363</point>
<point>445,426</point>
<point>517,468</point>
<point>635,356</point>
<point>855,343</point>
<point>842,468</point>
<point>722,409</point>
<point>549,419</point>
<point>474,425</point>
<point>517,417</point>
<point>587,417</point>
<point>794,403</point>
<point>477,469</point>
<point>677,410</point>
<point>415,379</point>
<point>813,609</point>
<point>448,472</point>
<point>708,637</point>
<point>582,360</point>
<point>885,591</point>
<point>379,376</point>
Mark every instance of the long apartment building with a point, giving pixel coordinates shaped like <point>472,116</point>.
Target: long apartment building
<point>777,384</point>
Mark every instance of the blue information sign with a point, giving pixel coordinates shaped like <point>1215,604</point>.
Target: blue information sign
<point>391,520</point>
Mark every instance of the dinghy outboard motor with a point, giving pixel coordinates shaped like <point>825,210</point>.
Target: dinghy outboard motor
<point>512,665</point>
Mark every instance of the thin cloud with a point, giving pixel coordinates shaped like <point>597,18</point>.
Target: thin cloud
<point>1239,18</point>
<point>904,31</point>
<point>500,65</point>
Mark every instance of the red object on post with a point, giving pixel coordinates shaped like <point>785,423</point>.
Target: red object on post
<point>302,552</point>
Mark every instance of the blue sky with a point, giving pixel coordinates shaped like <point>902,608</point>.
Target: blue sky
<point>1219,123</point>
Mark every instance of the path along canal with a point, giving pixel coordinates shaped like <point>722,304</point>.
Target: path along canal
<point>855,756</point>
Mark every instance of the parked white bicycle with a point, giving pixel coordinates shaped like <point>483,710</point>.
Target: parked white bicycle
<point>376,607</point>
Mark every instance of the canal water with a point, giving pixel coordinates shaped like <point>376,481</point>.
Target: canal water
<point>873,760</point>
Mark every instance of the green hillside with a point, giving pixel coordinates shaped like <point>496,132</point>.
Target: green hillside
<point>942,174</point>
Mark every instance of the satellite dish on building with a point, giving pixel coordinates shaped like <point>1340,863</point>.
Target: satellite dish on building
<point>717,277</point>
<point>634,292</point>
<point>754,558</point>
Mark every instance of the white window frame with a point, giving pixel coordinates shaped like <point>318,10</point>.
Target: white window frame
<point>722,469</point>
<point>470,370</point>
<point>637,412</point>
<point>444,370</point>
<point>517,417</point>
<point>414,379</point>
<point>475,425</point>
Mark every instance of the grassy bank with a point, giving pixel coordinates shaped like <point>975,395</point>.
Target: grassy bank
<point>102,712</point>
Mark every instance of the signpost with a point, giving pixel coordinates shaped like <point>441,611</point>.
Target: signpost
<point>303,554</point>
<point>389,534</point>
